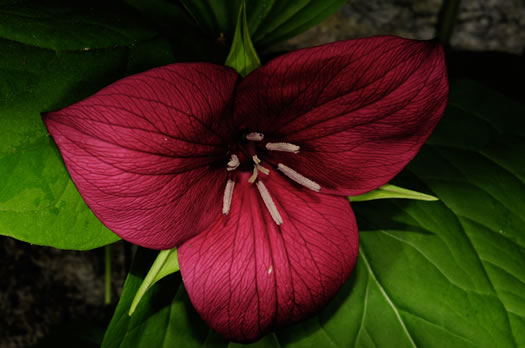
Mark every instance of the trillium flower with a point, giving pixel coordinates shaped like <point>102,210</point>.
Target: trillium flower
<point>249,177</point>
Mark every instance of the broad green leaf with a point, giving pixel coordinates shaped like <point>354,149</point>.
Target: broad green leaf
<point>242,57</point>
<point>52,56</point>
<point>165,264</point>
<point>391,191</point>
<point>447,273</point>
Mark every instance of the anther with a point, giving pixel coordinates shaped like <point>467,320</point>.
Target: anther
<point>298,178</point>
<point>270,205</point>
<point>254,136</point>
<point>233,163</point>
<point>228,194</point>
<point>286,147</point>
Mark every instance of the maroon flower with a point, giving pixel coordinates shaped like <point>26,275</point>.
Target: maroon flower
<point>249,177</point>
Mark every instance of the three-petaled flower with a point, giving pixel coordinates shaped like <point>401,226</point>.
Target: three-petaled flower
<point>249,177</point>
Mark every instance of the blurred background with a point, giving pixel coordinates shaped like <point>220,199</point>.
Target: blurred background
<point>45,290</point>
<point>481,25</point>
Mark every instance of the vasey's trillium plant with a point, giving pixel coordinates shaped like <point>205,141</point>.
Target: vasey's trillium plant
<point>249,178</point>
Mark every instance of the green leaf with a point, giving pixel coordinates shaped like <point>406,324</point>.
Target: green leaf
<point>242,57</point>
<point>447,273</point>
<point>126,331</point>
<point>165,264</point>
<point>54,55</point>
<point>391,191</point>
<point>269,21</point>
<point>203,30</point>
<point>287,19</point>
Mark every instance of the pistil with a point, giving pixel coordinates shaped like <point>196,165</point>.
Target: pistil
<point>256,168</point>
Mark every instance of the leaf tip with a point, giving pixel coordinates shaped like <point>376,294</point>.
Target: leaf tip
<point>242,56</point>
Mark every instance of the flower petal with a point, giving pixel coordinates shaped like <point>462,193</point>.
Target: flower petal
<point>246,275</point>
<point>140,151</point>
<point>359,109</point>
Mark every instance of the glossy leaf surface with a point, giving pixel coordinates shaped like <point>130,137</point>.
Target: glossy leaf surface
<point>52,56</point>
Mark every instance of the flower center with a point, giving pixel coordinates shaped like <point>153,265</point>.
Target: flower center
<point>250,150</point>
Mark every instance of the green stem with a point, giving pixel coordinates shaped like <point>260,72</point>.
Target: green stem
<point>107,273</point>
<point>447,20</point>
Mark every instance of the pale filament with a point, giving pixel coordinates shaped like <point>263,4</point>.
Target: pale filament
<point>233,163</point>
<point>227,199</point>
<point>254,136</point>
<point>286,147</point>
<point>298,178</point>
<point>268,201</point>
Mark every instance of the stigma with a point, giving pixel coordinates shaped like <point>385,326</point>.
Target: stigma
<point>256,169</point>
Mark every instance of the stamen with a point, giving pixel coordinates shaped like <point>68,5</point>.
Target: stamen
<point>286,147</point>
<point>298,178</point>
<point>252,178</point>
<point>270,205</point>
<point>255,136</point>
<point>228,194</point>
<point>256,159</point>
<point>233,163</point>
